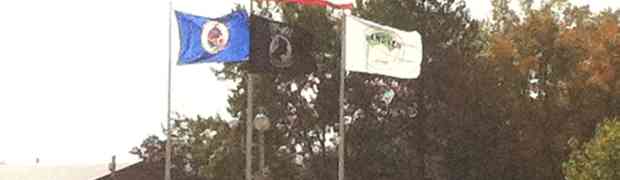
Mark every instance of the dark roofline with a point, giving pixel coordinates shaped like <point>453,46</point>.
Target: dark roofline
<point>147,171</point>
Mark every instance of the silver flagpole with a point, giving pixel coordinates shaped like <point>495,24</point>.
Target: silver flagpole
<point>249,128</point>
<point>248,122</point>
<point>341,99</point>
<point>169,124</point>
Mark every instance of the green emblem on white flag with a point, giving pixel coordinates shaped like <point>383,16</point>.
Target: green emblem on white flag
<point>377,49</point>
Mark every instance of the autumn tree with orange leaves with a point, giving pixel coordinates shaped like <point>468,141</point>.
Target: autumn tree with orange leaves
<point>559,63</point>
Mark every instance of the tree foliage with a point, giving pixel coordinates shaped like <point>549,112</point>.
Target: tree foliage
<point>497,99</point>
<point>201,146</point>
<point>599,158</point>
<point>558,65</point>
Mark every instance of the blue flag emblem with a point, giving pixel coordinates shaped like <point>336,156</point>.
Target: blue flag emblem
<point>223,39</point>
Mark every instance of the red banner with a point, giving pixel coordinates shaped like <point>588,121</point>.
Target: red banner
<point>323,3</point>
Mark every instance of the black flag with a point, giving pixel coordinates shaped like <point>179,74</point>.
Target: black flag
<point>279,48</point>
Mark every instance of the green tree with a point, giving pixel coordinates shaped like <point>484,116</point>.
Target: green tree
<point>298,147</point>
<point>419,135</point>
<point>152,149</point>
<point>210,147</point>
<point>412,138</point>
<point>207,147</point>
<point>599,158</point>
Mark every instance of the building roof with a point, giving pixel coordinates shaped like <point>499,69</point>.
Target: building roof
<point>147,171</point>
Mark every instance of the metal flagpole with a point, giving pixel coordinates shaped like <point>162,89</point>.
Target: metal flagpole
<point>248,122</point>
<point>249,127</point>
<point>341,99</point>
<point>169,124</point>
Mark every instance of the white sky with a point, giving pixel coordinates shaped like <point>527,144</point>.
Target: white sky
<point>82,80</point>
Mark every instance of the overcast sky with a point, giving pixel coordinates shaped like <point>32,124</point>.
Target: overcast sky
<point>82,80</point>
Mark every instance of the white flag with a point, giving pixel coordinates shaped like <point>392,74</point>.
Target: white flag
<point>378,49</point>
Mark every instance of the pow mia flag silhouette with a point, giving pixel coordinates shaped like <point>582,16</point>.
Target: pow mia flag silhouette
<point>279,48</point>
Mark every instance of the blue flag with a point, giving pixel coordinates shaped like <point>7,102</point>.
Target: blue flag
<point>223,39</point>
